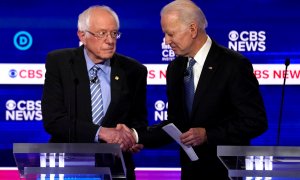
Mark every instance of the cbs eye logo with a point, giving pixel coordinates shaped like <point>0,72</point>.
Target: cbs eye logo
<point>11,105</point>
<point>160,105</point>
<point>12,73</point>
<point>233,35</point>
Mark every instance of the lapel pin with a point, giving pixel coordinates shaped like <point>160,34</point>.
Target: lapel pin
<point>210,67</point>
<point>116,77</point>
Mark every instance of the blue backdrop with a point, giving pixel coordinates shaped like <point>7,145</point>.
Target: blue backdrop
<point>265,31</point>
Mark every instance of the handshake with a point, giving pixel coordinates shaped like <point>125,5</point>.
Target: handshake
<point>122,135</point>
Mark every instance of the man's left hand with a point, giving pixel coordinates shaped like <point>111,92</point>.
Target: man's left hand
<point>194,137</point>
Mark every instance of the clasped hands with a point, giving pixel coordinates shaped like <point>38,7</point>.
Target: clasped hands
<point>122,135</point>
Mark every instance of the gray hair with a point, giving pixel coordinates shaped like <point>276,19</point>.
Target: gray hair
<point>84,17</point>
<point>187,12</point>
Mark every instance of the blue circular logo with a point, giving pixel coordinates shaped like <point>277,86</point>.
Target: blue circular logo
<point>22,40</point>
<point>12,73</point>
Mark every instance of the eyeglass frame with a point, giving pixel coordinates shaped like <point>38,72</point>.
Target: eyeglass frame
<point>104,34</point>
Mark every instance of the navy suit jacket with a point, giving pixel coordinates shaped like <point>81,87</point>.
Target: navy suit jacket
<point>227,103</point>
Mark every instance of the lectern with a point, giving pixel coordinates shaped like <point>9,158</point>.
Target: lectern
<point>97,161</point>
<point>261,162</point>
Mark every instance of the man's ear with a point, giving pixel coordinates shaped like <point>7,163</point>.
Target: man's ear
<point>194,30</point>
<point>81,36</point>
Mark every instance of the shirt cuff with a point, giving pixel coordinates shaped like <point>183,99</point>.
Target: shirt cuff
<point>97,137</point>
<point>136,136</point>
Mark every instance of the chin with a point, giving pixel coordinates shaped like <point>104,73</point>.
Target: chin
<point>106,55</point>
<point>177,53</point>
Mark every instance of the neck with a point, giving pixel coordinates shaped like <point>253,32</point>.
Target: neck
<point>199,42</point>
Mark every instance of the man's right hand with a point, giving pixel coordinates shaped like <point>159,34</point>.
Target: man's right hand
<point>119,136</point>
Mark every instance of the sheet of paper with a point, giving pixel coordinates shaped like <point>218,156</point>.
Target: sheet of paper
<point>174,132</point>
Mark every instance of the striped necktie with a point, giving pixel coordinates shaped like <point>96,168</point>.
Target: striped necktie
<point>189,85</point>
<point>96,95</point>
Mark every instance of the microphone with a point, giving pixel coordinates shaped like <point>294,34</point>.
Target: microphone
<point>287,63</point>
<point>94,79</point>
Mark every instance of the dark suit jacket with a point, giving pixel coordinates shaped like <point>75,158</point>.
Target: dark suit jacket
<point>66,101</point>
<point>227,103</point>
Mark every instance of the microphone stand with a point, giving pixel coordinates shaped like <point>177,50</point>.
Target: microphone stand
<point>287,63</point>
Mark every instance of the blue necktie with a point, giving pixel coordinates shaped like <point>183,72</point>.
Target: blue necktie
<point>189,85</point>
<point>96,95</point>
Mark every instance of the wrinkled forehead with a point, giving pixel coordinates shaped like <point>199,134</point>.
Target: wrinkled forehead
<point>171,22</point>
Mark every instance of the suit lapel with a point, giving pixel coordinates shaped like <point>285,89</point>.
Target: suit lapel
<point>83,87</point>
<point>182,71</point>
<point>80,68</point>
<point>208,71</point>
<point>117,78</point>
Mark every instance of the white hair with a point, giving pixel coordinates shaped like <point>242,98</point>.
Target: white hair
<point>187,11</point>
<point>84,17</point>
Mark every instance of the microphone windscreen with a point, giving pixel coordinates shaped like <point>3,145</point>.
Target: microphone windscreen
<point>287,61</point>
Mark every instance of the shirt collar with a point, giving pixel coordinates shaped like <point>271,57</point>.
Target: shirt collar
<point>89,63</point>
<point>203,52</point>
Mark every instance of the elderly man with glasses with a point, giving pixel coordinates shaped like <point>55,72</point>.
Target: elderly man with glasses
<point>89,91</point>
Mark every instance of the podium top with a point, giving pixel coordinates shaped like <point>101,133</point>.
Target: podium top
<point>261,161</point>
<point>68,158</point>
<point>289,151</point>
<point>66,148</point>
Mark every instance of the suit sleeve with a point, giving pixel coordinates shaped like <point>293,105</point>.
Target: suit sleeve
<point>55,114</point>
<point>138,112</point>
<point>154,136</point>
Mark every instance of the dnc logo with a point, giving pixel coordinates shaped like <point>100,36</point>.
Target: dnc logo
<point>22,40</point>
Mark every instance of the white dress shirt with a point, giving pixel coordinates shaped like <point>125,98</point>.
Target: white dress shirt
<point>200,59</point>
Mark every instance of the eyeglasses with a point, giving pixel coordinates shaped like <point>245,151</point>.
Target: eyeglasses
<point>103,34</point>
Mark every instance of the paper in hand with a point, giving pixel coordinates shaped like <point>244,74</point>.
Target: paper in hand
<point>174,132</point>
